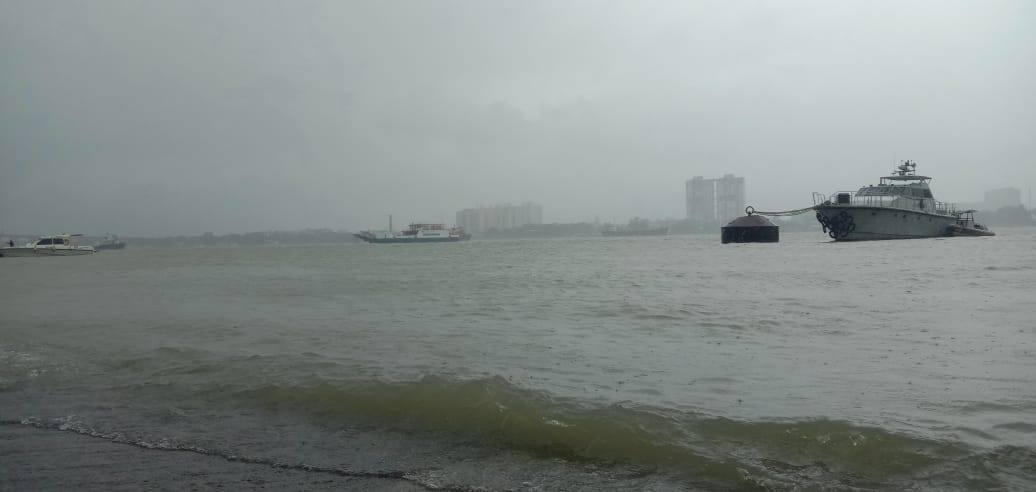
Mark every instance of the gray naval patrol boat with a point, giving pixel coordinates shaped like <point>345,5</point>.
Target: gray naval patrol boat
<point>901,206</point>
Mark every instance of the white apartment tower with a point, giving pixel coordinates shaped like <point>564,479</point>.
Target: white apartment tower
<point>500,217</point>
<point>715,200</point>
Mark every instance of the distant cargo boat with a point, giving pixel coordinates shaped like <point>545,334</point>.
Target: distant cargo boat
<point>900,207</point>
<point>59,245</point>
<point>617,232</point>
<point>416,233</point>
<point>110,242</point>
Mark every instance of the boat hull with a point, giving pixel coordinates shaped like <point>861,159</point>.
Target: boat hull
<point>408,240</point>
<point>856,223</point>
<point>417,240</point>
<point>110,246</point>
<point>27,252</point>
<point>959,230</point>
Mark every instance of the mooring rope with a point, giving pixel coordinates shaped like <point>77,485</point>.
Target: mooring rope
<point>749,210</point>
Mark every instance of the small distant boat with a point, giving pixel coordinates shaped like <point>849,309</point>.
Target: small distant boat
<point>110,241</point>
<point>416,233</point>
<point>59,245</point>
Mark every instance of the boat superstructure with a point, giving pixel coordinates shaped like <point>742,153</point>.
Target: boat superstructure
<point>966,225</point>
<point>416,233</point>
<point>901,206</point>
<point>58,245</point>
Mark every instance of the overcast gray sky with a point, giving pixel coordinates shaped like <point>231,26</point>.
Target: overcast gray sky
<point>155,118</point>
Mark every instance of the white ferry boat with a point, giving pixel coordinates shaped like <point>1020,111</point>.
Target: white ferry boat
<point>416,233</point>
<point>59,245</point>
<point>901,206</point>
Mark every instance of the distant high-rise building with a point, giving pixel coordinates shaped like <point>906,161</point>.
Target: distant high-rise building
<point>500,217</point>
<point>1003,197</point>
<point>711,200</point>
<point>701,199</point>
<point>467,218</point>
<point>730,197</point>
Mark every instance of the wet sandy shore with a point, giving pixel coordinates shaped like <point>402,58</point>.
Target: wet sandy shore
<point>46,459</point>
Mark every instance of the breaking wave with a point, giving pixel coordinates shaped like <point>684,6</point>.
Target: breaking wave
<point>696,448</point>
<point>492,411</point>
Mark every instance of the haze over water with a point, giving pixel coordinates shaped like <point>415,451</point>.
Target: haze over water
<point>581,363</point>
<point>169,118</point>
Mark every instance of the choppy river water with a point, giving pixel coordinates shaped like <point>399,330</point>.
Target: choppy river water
<point>589,363</point>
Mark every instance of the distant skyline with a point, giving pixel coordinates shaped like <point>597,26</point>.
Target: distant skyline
<point>166,118</point>
<point>499,217</point>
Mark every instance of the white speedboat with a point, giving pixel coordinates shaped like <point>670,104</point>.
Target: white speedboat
<point>59,245</point>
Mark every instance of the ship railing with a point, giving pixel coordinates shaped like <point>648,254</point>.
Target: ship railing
<point>945,208</point>
<point>878,200</point>
<point>852,198</point>
<point>883,200</point>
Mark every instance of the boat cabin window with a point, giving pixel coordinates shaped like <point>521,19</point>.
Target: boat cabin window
<point>920,193</point>
<point>42,242</point>
<point>902,191</point>
<point>871,190</point>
